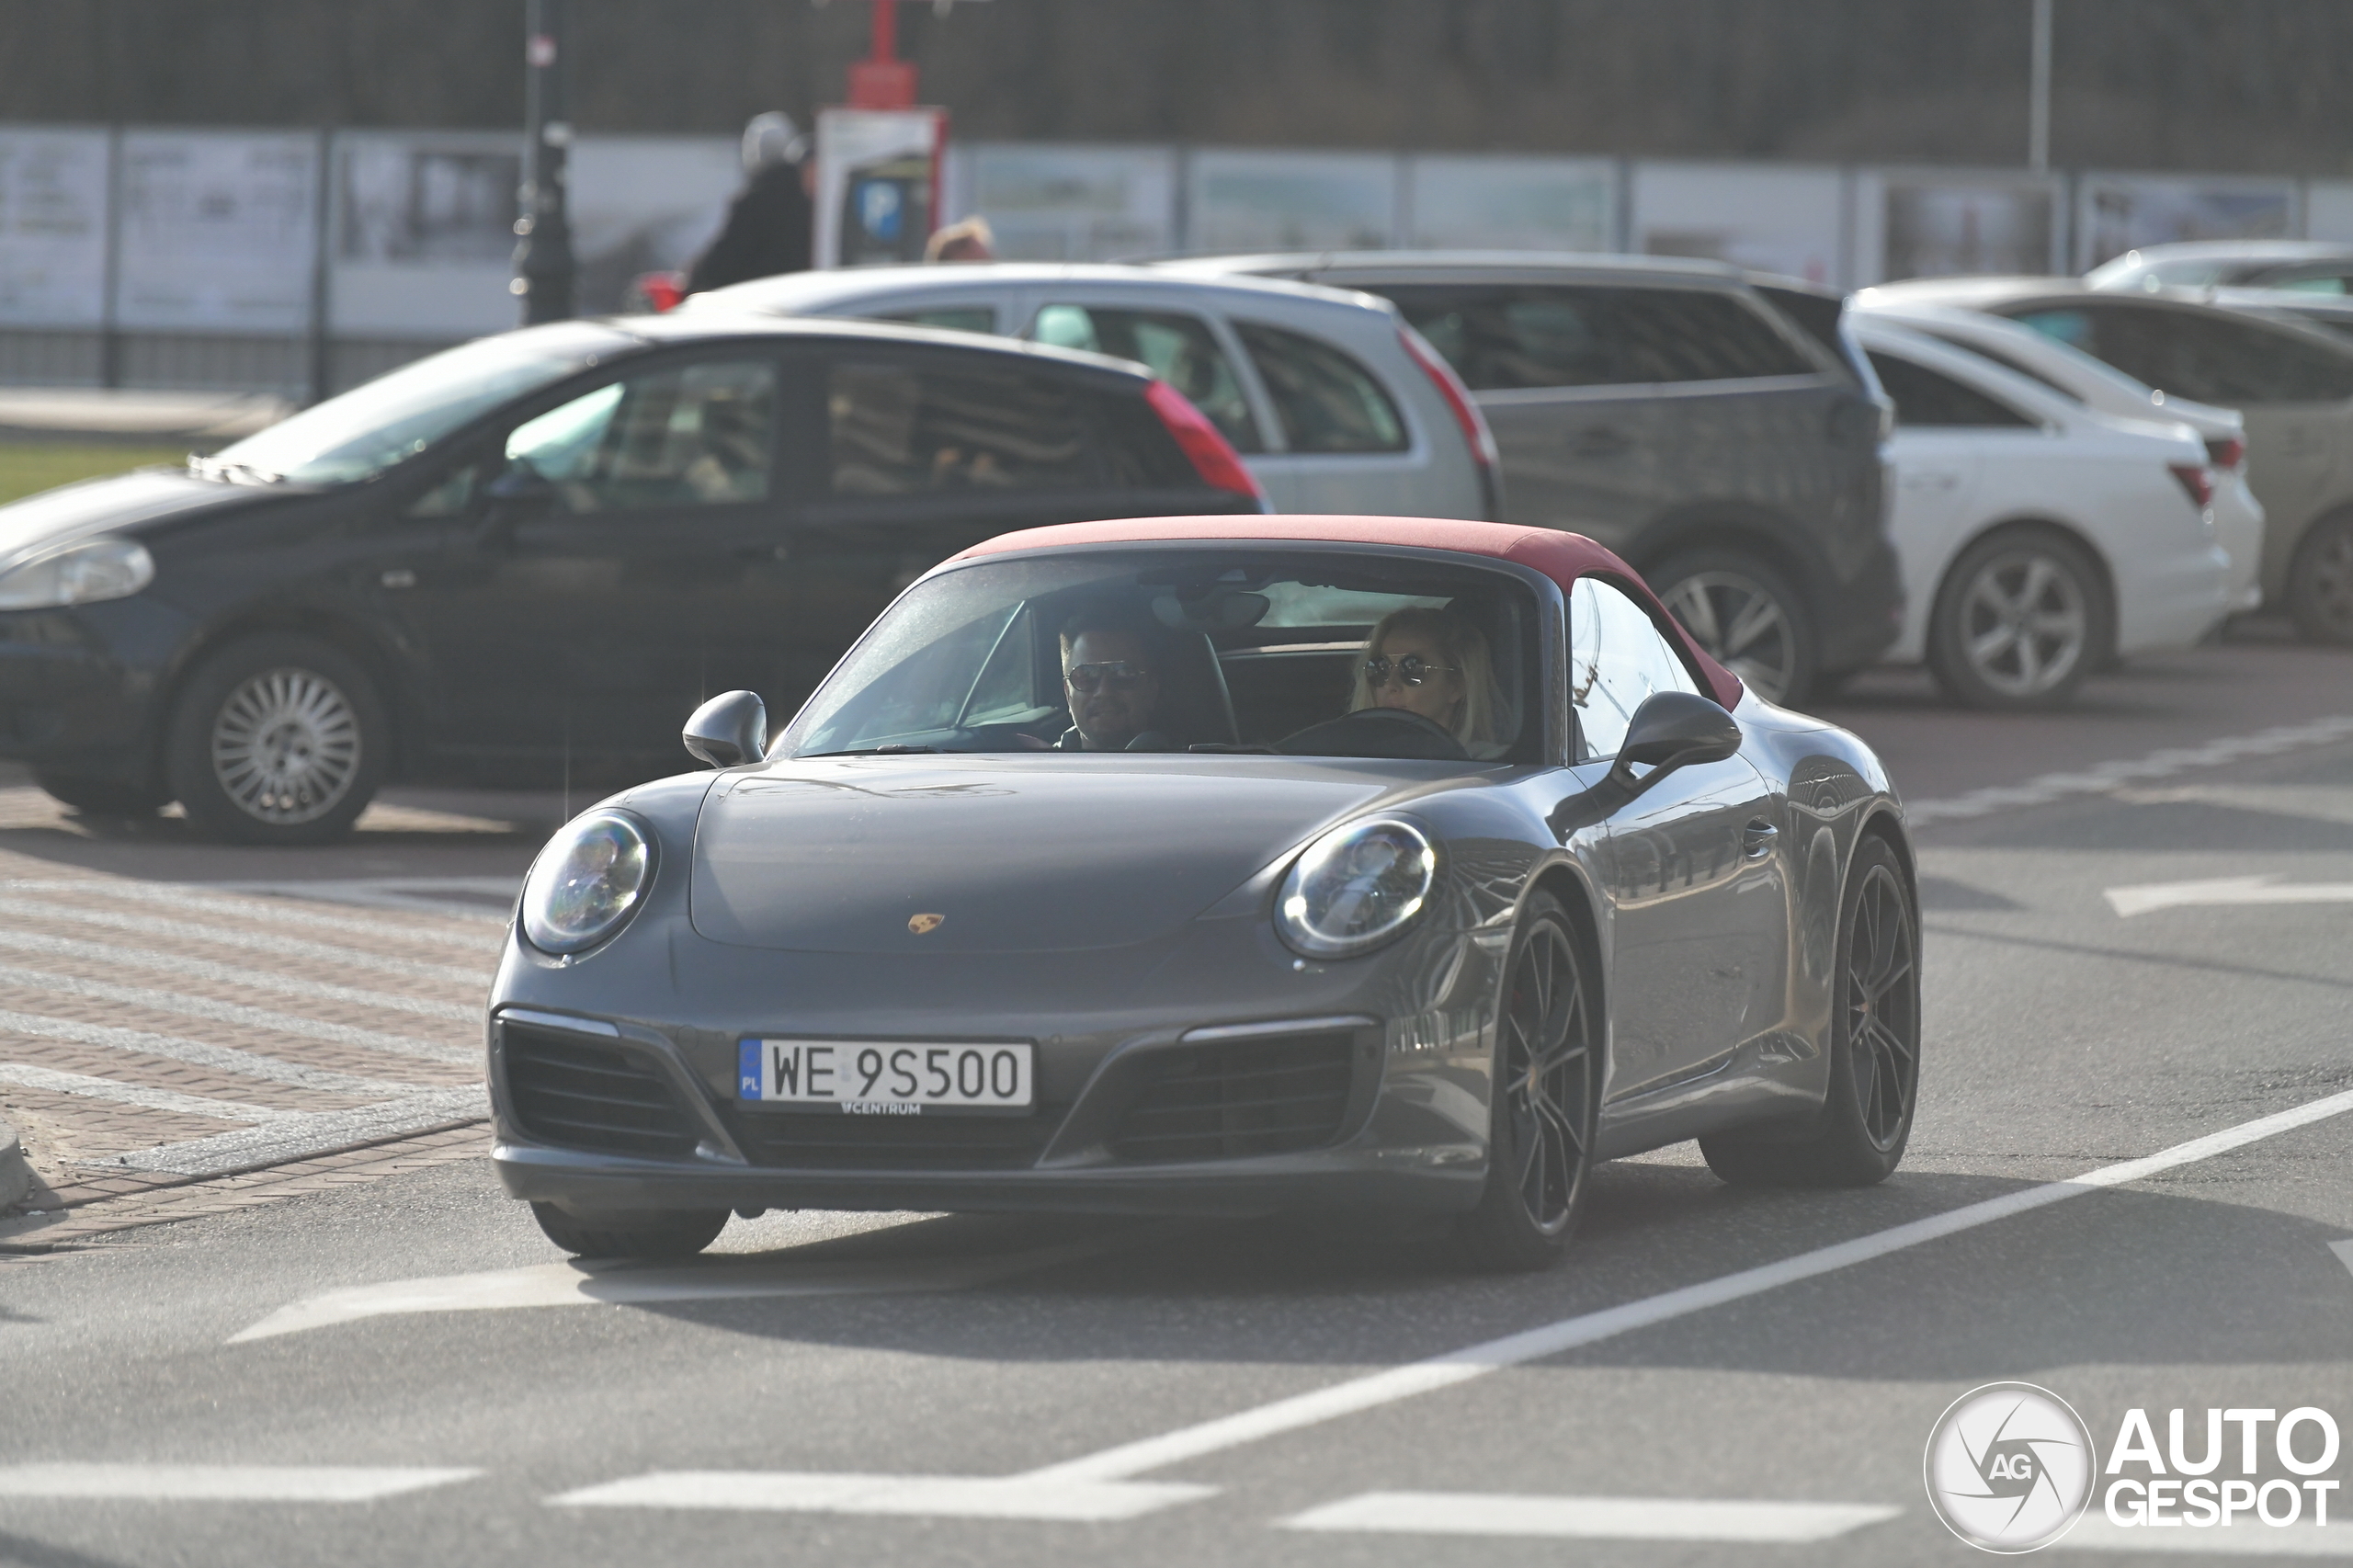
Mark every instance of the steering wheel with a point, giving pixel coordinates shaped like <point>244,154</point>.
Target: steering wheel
<point>1377,732</point>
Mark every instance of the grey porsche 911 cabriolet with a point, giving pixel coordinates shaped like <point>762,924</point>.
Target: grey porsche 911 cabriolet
<point>1220,866</point>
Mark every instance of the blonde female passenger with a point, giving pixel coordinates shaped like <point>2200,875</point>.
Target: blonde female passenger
<point>1434,662</point>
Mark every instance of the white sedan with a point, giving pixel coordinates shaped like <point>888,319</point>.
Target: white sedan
<point>2039,538</point>
<point>2238,516</point>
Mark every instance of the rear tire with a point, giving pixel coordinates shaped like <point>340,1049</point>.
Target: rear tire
<point>1542,1102</point>
<point>1749,617</point>
<point>2320,581</point>
<point>646,1234</point>
<point>103,797</point>
<point>1859,1136</point>
<point>277,738</point>
<point>2020,619</point>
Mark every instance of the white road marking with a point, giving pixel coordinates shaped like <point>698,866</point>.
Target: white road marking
<point>2343,1251</point>
<point>221,1482</point>
<point>939,1496</point>
<point>2243,1537</point>
<point>252,979</point>
<point>1589,1519</point>
<point>2143,897</point>
<point>87,1088</point>
<point>263,942</point>
<point>2101,778</point>
<point>1377,1388</point>
<point>196,1052</point>
<point>220,1012</point>
<point>258,904</point>
<point>296,1135</point>
<point>713,1279</point>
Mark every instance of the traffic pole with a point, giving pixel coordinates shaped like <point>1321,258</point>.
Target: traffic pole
<point>544,266</point>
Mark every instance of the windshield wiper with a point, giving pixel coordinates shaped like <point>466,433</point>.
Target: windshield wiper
<point>879,751</point>
<point>234,474</point>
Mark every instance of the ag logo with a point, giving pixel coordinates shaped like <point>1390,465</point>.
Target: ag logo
<point>2009,1467</point>
<point>925,925</point>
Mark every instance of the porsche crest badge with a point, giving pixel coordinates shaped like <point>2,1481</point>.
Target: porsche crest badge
<point>925,925</point>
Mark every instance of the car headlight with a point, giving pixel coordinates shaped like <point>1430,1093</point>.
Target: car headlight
<point>588,881</point>
<point>78,575</point>
<point>1355,888</point>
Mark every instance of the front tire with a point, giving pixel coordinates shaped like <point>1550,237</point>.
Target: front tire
<point>277,740</point>
<point>2021,618</point>
<point>1749,617</point>
<point>2320,581</point>
<point>647,1234</point>
<point>1544,1101</point>
<point>1858,1137</point>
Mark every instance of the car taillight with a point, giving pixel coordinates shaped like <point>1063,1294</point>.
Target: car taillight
<point>2198,478</point>
<point>2227,452</point>
<point>1213,456</point>
<point>1481,439</point>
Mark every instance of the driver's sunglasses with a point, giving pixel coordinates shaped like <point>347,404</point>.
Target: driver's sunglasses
<point>1119,673</point>
<point>1412,669</point>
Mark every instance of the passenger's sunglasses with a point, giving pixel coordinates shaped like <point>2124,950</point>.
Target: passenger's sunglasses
<point>1412,669</point>
<point>1119,673</point>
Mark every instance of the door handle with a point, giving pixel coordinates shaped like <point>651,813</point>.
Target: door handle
<point>1757,842</point>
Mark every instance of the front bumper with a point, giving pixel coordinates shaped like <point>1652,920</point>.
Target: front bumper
<point>1350,1084</point>
<point>78,686</point>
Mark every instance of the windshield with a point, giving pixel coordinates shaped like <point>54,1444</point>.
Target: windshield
<point>370,427</point>
<point>1236,648</point>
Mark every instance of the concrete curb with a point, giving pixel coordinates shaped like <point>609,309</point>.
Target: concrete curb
<point>16,1177</point>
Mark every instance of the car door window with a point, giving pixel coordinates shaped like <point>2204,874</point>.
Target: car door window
<point>1179,348</point>
<point>1327,401</point>
<point>1690,334</point>
<point>1930,398</point>
<point>901,427</point>
<point>1503,338</point>
<point>690,435</point>
<point>1618,659</point>
<point>2207,356</point>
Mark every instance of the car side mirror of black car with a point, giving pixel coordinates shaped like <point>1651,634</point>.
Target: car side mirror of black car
<point>1672,730</point>
<point>729,730</point>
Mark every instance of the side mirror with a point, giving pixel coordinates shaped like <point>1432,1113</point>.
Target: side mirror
<point>1672,730</point>
<point>729,730</point>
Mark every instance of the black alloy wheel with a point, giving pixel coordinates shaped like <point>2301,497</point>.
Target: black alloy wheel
<point>2021,618</point>
<point>1859,1136</point>
<point>277,739</point>
<point>1746,616</point>
<point>1542,1102</point>
<point>646,1234</point>
<point>2320,581</point>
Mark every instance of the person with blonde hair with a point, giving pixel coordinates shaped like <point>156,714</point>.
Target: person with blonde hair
<point>1434,662</point>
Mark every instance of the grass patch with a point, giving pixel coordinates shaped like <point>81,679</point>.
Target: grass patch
<point>28,468</point>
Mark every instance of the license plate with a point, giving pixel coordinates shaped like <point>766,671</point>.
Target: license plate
<point>875,1078</point>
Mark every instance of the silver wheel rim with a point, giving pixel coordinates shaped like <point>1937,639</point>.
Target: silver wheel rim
<point>1742,627</point>
<point>2025,624</point>
<point>286,747</point>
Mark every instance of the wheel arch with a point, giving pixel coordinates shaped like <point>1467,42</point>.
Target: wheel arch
<point>1777,540</point>
<point>1565,880</point>
<point>2040,523</point>
<point>340,633</point>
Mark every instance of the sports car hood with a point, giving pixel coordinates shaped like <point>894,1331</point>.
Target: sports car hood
<point>1044,855</point>
<point>102,505</point>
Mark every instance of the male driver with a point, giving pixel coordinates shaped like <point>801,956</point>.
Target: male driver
<point>1114,689</point>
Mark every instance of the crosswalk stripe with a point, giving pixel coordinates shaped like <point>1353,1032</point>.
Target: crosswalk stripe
<point>230,974</point>
<point>195,1052</point>
<point>296,1135</point>
<point>235,1013</point>
<point>939,1496</point>
<point>262,942</point>
<point>221,1482</point>
<point>1589,1519</point>
<point>82,1084</point>
<point>262,908</point>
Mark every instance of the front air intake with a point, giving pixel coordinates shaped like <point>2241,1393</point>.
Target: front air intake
<point>1271,1096</point>
<point>586,1094</point>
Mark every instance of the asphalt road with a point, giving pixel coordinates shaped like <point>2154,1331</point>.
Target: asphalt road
<point>402,1370</point>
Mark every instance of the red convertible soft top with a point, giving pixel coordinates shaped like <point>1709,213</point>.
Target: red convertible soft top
<point>1564,557</point>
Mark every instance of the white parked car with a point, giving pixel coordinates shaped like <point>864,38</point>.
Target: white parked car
<point>1333,402</point>
<point>2038,537</point>
<point>2075,375</point>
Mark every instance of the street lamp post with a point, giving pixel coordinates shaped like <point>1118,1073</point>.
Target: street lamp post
<point>2038,109</point>
<point>544,261</point>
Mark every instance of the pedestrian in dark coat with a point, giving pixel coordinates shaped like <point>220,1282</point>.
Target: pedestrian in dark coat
<point>772,224</point>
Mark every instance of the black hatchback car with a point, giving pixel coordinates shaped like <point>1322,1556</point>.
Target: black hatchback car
<point>525,558</point>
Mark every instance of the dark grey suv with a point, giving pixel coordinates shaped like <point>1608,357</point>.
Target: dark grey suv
<point>1671,410</point>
